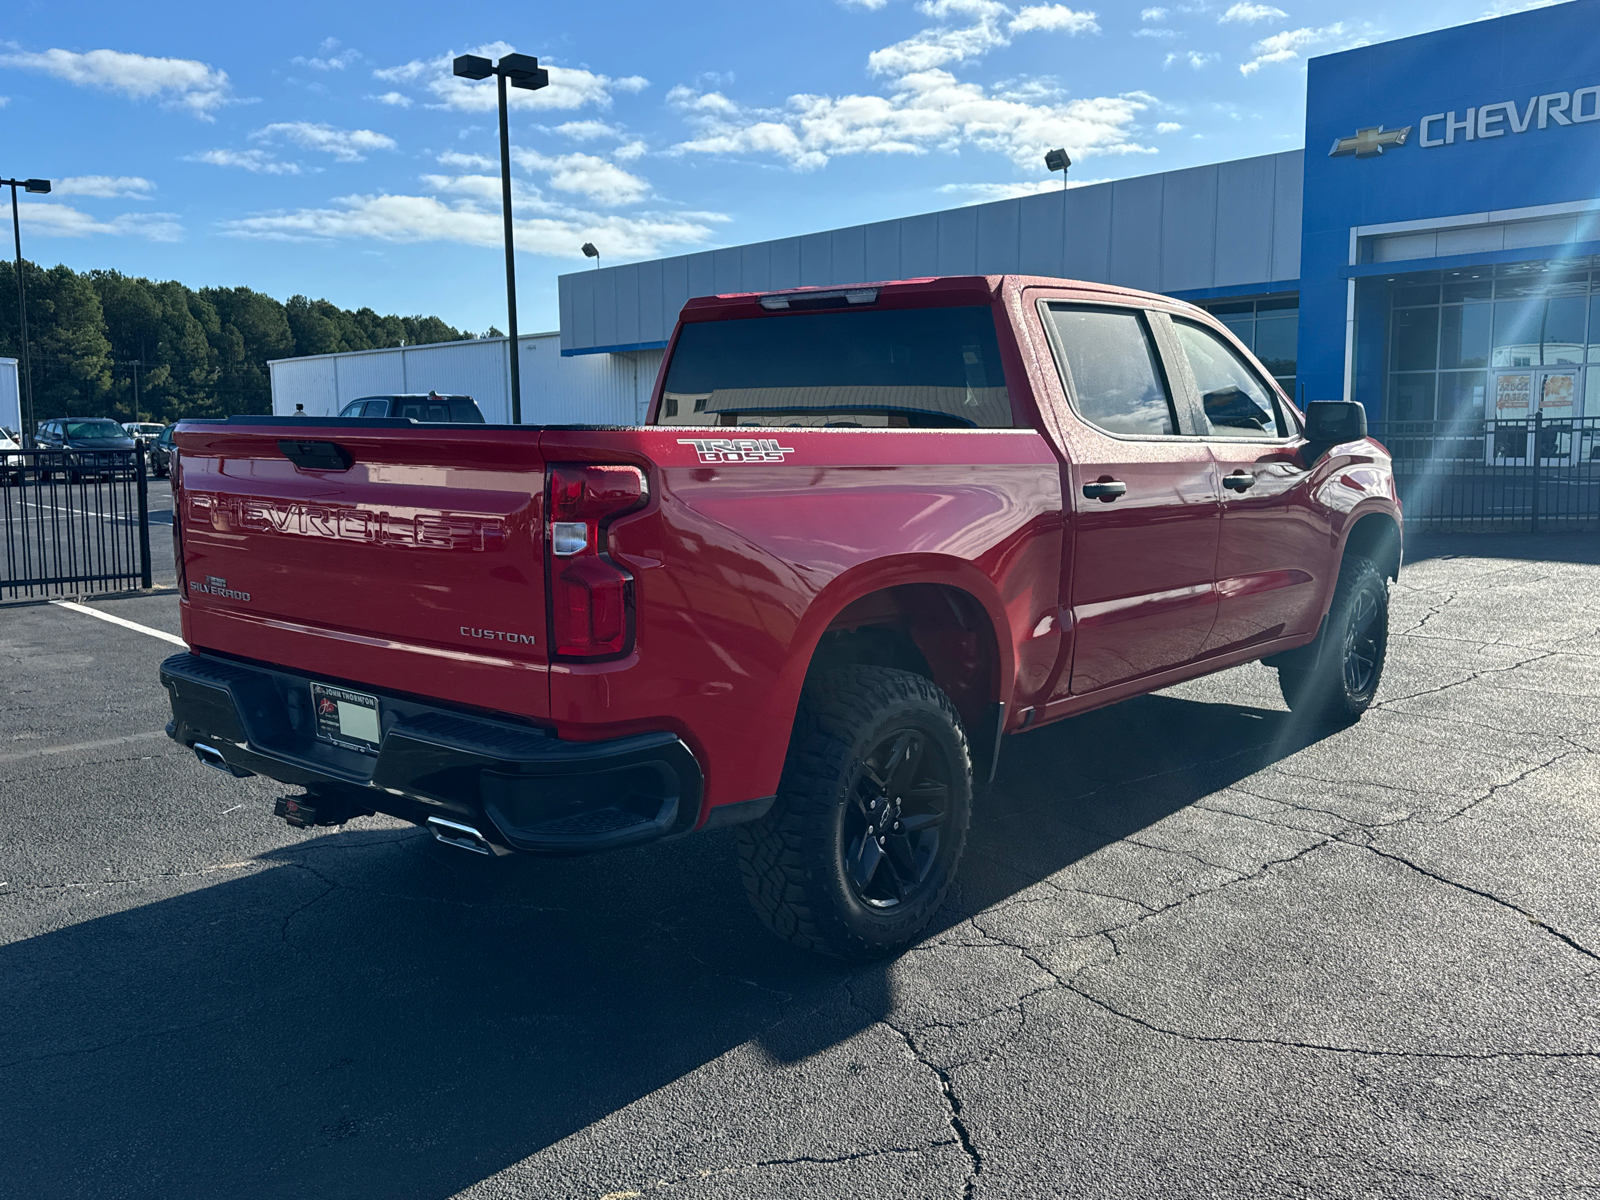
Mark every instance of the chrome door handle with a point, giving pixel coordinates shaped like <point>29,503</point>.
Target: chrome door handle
<point>1239,481</point>
<point>1105,490</point>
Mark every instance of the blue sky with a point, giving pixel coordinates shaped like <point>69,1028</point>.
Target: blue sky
<point>326,149</point>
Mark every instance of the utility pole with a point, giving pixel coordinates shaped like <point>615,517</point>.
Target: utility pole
<point>523,71</point>
<point>38,187</point>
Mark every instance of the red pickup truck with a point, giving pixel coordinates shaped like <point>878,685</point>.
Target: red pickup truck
<point>867,533</point>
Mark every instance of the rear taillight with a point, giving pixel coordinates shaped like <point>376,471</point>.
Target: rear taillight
<point>591,598</point>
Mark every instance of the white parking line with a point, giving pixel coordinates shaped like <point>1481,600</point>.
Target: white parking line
<point>76,746</point>
<point>83,608</point>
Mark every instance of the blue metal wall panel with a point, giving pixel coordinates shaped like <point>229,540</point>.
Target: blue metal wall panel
<point>653,325</point>
<point>702,274</point>
<point>674,289</point>
<point>627,302</point>
<point>727,269</point>
<point>816,259</point>
<point>1288,201</point>
<point>754,271</point>
<point>882,249</point>
<point>919,246</point>
<point>785,263</point>
<point>1086,250</point>
<point>582,308</point>
<point>1135,232</point>
<point>1188,228</point>
<point>849,255</point>
<point>606,330</point>
<point>958,242</point>
<point>1040,234</point>
<point>999,238</point>
<point>564,287</point>
<point>1246,205</point>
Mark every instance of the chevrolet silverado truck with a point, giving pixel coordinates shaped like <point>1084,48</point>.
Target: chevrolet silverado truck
<point>866,534</point>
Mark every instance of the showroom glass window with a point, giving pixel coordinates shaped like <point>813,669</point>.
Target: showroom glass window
<point>1449,331</point>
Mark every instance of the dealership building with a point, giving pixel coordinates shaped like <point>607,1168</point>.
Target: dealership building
<point>1433,252</point>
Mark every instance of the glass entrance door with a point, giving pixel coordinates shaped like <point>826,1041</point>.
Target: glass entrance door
<point>1549,392</point>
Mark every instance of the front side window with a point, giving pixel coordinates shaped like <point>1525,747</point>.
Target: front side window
<point>353,409</point>
<point>895,368</point>
<point>1111,372</point>
<point>1236,402</point>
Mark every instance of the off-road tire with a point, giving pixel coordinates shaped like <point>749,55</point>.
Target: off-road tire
<point>794,860</point>
<point>1320,683</point>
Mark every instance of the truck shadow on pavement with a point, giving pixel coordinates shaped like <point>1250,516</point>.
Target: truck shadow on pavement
<point>375,1015</point>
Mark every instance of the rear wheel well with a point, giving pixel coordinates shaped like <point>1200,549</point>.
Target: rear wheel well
<point>941,633</point>
<point>1376,536</point>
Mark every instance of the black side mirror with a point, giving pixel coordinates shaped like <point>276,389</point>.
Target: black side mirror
<point>1330,422</point>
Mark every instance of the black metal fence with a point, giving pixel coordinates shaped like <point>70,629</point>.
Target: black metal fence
<point>72,522</point>
<point>1527,475</point>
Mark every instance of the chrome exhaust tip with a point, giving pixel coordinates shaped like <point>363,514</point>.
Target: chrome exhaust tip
<point>212,757</point>
<point>464,837</point>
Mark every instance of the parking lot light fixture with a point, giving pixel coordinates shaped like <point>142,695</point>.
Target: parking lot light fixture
<point>589,251</point>
<point>1057,160</point>
<point>37,187</point>
<point>521,71</point>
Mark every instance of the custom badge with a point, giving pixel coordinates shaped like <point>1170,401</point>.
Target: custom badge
<point>737,450</point>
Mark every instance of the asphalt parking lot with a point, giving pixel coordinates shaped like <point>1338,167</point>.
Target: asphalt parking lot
<point>1196,950</point>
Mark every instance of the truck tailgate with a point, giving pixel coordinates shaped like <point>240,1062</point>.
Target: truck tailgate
<point>418,568</point>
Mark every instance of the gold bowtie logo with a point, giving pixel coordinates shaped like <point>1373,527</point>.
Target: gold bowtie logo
<point>1368,142</point>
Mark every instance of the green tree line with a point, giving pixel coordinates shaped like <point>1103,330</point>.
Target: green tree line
<point>104,344</point>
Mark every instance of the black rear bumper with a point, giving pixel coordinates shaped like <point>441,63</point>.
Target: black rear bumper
<point>523,788</point>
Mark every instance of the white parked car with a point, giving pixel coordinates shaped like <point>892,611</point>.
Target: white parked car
<point>144,431</point>
<point>10,464</point>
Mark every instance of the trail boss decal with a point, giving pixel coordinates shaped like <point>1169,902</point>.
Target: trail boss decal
<point>737,450</point>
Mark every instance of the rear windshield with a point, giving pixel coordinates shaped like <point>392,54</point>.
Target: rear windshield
<point>95,429</point>
<point>917,367</point>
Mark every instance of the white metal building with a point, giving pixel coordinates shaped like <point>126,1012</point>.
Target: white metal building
<point>605,389</point>
<point>10,397</point>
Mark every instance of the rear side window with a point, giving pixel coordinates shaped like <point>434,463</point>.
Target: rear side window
<point>1236,403</point>
<point>376,408</point>
<point>917,367</point>
<point>465,412</point>
<point>1111,370</point>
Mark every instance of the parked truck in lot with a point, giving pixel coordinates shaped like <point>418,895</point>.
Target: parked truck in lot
<point>867,534</point>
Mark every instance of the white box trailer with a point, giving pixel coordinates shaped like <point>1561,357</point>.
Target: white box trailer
<point>10,396</point>
<point>586,389</point>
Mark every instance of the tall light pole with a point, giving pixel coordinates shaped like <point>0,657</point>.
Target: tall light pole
<point>1057,160</point>
<point>25,416</point>
<point>523,71</point>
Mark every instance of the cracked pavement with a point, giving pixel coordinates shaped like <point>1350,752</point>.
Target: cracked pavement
<point>1195,949</point>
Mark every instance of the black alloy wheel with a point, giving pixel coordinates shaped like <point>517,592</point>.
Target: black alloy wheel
<point>1361,650</point>
<point>862,842</point>
<point>892,833</point>
<point>1336,677</point>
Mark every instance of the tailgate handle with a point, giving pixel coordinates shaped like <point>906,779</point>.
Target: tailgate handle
<point>317,456</point>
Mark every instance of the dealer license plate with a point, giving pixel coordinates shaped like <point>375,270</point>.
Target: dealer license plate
<point>346,718</point>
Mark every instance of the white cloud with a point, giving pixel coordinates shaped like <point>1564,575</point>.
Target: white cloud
<point>1152,14</point>
<point>983,193</point>
<point>60,220</point>
<point>925,107</point>
<point>180,82</point>
<point>397,99</point>
<point>1249,13</point>
<point>474,220</point>
<point>104,187</point>
<point>326,59</point>
<point>570,87</point>
<point>1167,127</point>
<point>588,131</point>
<point>870,5</point>
<point>585,175</point>
<point>1501,8</point>
<point>1053,18</point>
<point>1155,31</point>
<point>257,161</point>
<point>629,151</point>
<point>468,162</point>
<point>1198,59</point>
<point>1286,46</point>
<point>346,145</point>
